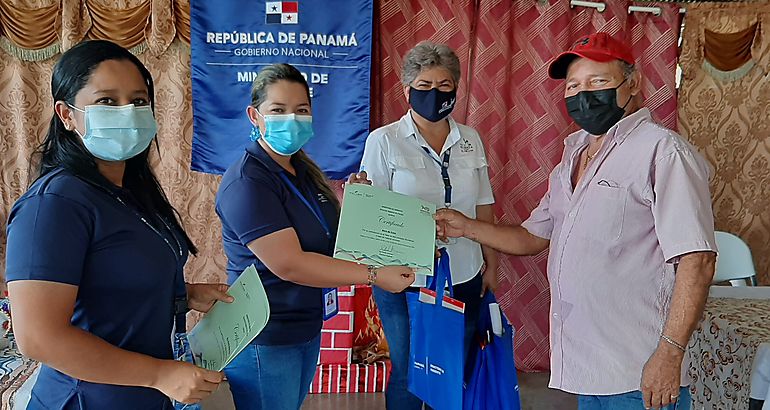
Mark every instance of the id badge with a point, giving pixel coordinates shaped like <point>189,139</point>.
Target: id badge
<point>331,303</point>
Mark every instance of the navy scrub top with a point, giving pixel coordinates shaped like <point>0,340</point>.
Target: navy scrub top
<point>254,201</point>
<point>66,230</point>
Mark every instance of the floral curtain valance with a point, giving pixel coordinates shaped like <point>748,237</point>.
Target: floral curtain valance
<point>728,51</point>
<point>727,40</point>
<point>35,30</point>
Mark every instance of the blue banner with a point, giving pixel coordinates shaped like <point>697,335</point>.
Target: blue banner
<point>329,41</point>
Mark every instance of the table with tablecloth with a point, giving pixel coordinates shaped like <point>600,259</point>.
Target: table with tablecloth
<point>723,349</point>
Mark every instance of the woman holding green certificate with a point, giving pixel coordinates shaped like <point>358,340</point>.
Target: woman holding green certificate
<point>279,214</point>
<point>426,154</point>
<point>96,252</point>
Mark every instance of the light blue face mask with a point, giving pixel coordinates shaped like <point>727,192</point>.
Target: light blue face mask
<point>286,134</point>
<point>117,133</point>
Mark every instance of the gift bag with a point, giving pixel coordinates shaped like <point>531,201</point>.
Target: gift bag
<point>436,351</point>
<point>491,381</point>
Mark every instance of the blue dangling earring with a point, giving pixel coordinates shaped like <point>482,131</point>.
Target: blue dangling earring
<point>254,133</point>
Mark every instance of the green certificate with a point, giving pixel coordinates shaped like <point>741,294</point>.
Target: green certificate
<point>229,327</point>
<point>379,227</point>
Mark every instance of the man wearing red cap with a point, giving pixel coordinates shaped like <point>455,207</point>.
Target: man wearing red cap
<point>628,221</point>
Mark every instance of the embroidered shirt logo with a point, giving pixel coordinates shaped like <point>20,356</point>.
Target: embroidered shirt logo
<point>466,146</point>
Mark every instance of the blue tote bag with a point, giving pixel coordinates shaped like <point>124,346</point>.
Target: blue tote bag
<point>437,324</point>
<point>491,381</point>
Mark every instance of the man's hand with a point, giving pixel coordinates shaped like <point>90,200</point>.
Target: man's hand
<point>450,224</point>
<point>662,373</point>
<point>201,296</point>
<point>489,278</point>
<point>661,376</point>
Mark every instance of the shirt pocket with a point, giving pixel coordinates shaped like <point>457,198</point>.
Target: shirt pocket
<point>411,163</point>
<point>471,162</point>
<point>464,176</point>
<point>408,174</point>
<point>604,210</point>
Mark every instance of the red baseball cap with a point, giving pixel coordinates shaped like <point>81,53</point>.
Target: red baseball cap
<point>600,47</point>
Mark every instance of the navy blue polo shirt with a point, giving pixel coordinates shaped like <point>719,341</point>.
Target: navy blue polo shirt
<point>254,201</point>
<point>69,231</point>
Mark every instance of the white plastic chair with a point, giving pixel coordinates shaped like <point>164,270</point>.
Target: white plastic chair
<point>734,263</point>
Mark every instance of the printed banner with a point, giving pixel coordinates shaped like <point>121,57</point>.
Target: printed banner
<point>328,41</point>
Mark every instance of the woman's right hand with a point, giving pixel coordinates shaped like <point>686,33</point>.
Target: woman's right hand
<point>394,278</point>
<point>358,178</point>
<point>185,382</point>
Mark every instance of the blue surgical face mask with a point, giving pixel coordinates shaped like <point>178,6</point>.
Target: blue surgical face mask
<point>286,134</point>
<point>117,133</point>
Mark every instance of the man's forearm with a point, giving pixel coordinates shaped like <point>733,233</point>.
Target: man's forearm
<point>693,278</point>
<point>485,213</point>
<point>513,240</point>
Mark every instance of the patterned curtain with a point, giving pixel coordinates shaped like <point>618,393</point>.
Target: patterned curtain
<point>504,47</point>
<point>33,31</point>
<point>724,110</point>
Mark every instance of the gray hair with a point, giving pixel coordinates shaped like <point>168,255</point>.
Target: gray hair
<point>628,69</point>
<point>427,54</point>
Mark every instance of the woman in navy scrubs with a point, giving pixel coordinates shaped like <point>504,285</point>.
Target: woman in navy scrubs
<point>95,251</point>
<point>279,214</point>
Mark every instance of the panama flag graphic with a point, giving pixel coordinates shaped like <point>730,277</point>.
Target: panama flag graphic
<point>282,12</point>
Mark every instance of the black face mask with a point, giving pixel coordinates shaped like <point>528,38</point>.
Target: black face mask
<point>596,111</point>
<point>433,105</point>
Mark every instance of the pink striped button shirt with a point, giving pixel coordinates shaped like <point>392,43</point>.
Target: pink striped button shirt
<point>614,242</point>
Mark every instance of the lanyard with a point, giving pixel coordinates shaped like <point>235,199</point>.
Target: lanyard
<point>180,302</point>
<point>177,251</point>
<point>311,205</point>
<point>329,296</point>
<point>180,306</point>
<point>444,164</point>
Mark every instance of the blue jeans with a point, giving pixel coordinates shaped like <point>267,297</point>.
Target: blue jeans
<point>630,401</point>
<point>273,377</point>
<point>394,315</point>
<point>182,352</point>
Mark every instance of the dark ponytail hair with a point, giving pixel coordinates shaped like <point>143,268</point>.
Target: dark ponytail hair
<point>64,149</point>
<point>286,72</point>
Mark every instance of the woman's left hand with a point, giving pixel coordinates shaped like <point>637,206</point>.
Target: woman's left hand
<point>202,296</point>
<point>358,178</point>
<point>488,279</point>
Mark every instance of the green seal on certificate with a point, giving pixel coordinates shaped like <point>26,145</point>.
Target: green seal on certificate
<point>379,227</point>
